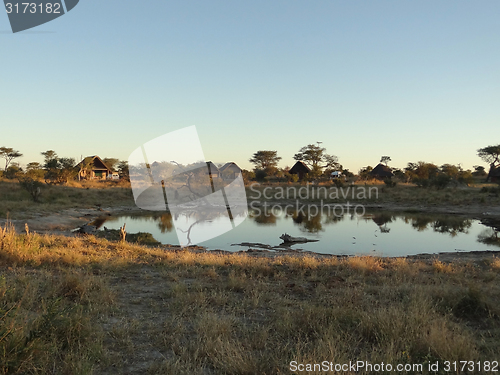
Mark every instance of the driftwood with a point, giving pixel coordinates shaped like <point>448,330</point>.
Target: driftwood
<point>123,232</point>
<point>289,239</point>
<point>86,229</point>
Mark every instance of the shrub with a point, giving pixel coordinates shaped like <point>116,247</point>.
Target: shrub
<point>260,175</point>
<point>390,183</point>
<point>441,181</point>
<point>33,187</point>
<point>338,182</point>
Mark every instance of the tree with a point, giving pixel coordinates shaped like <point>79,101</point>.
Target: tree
<point>385,160</point>
<point>67,169</point>
<point>85,168</point>
<point>9,154</point>
<point>58,170</point>
<point>13,171</point>
<point>451,170</point>
<point>266,161</point>
<point>33,187</point>
<point>123,171</point>
<point>111,162</point>
<point>365,172</point>
<point>317,159</point>
<point>490,155</point>
<point>479,171</point>
<point>34,170</point>
<point>50,159</point>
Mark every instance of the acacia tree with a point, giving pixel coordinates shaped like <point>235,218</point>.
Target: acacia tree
<point>9,154</point>
<point>111,162</point>
<point>123,171</point>
<point>490,155</point>
<point>58,170</point>
<point>385,160</point>
<point>316,158</point>
<point>265,160</point>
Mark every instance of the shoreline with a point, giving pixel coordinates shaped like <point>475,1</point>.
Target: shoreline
<point>62,223</point>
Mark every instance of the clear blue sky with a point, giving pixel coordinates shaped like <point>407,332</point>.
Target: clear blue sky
<point>416,80</point>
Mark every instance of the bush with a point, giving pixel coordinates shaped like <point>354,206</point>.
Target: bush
<point>260,175</point>
<point>441,181</point>
<point>421,182</point>
<point>390,183</point>
<point>33,187</point>
<point>338,182</point>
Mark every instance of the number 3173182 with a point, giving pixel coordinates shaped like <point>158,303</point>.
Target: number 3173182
<point>33,8</point>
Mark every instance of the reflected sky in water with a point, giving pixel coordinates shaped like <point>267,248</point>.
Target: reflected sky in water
<point>377,233</point>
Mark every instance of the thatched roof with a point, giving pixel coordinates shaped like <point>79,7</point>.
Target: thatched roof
<point>381,171</point>
<point>230,167</point>
<point>97,163</point>
<point>299,168</point>
<point>213,167</point>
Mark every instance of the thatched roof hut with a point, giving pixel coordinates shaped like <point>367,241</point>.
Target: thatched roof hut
<point>98,168</point>
<point>300,169</point>
<point>213,170</point>
<point>381,171</point>
<point>230,170</point>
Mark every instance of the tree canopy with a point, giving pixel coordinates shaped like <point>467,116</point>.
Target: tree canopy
<point>490,155</point>
<point>265,160</point>
<point>316,158</point>
<point>385,159</point>
<point>9,154</point>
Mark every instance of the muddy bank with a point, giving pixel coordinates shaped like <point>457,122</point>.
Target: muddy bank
<point>65,221</point>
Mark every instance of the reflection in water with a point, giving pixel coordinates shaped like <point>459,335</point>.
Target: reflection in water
<point>382,220</point>
<point>308,223</point>
<point>404,233</point>
<point>165,223</point>
<point>263,218</point>
<point>490,236</point>
<point>452,225</point>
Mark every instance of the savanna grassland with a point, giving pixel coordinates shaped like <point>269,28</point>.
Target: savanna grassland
<point>85,305</point>
<point>15,202</point>
<point>481,196</point>
<point>88,305</point>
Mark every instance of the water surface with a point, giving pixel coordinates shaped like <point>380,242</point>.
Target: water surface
<point>376,233</point>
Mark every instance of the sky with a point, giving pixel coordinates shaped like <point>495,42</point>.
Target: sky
<point>415,80</point>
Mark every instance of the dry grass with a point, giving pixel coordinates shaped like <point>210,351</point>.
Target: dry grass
<point>122,308</point>
<point>15,202</point>
<point>372,192</point>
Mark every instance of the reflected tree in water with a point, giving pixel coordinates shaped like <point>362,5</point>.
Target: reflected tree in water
<point>490,236</point>
<point>382,220</point>
<point>442,224</point>
<point>263,217</point>
<point>420,223</point>
<point>308,223</point>
<point>453,226</point>
<point>165,223</point>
